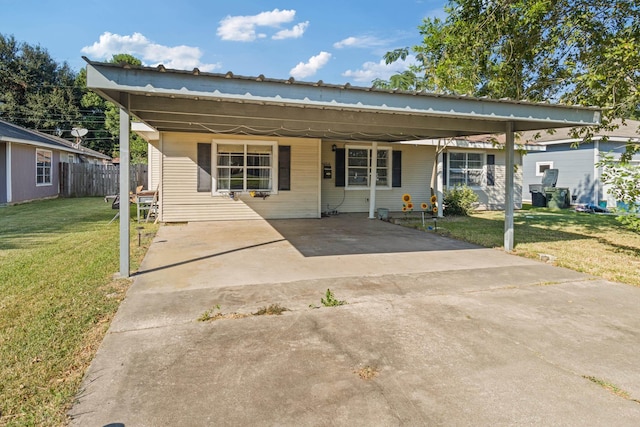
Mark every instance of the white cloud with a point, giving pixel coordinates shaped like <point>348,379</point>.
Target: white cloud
<point>243,28</point>
<point>309,68</point>
<point>296,32</point>
<point>359,42</point>
<point>379,70</point>
<point>176,57</point>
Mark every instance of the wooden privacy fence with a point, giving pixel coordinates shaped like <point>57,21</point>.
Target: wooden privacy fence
<point>88,180</point>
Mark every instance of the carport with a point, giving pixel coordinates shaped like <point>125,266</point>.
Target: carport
<point>193,101</point>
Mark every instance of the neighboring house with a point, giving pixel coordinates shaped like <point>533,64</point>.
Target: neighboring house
<point>577,166</point>
<point>30,163</point>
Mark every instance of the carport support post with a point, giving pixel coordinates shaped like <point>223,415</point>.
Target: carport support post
<point>124,193</point>
<point>373,175</point>
<point>509,172</point>
<point>440,184</point>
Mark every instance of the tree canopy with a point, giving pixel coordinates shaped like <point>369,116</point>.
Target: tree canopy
<point>581,52</point>
<point>35,91</point>
<point>38,93</point>
<point>578,52</point>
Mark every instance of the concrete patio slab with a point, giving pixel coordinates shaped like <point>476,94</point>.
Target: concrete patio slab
<point>444,333</point>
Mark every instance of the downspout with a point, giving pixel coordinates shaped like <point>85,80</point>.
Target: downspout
<point>124,192</point>
<point>372,179</point>
<point>509,180</point>
<point>8,169</point>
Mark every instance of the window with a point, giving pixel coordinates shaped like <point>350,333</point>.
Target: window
<point>465,169</point>
<point>71,158</point>
<point>43,167</point>
<point>245,166</point>
<point>543,166</point>
<point>358,167</point>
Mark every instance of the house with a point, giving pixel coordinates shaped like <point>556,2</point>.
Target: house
<point>230,147</point>
<point>30,162</point>
<point>577,164</point>
<point>341,174</point>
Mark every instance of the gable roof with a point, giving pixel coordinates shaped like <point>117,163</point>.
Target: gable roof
<point>194,101</point>
<point>10,132</point>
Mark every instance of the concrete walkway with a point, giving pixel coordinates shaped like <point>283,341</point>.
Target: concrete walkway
<point>444,333</point>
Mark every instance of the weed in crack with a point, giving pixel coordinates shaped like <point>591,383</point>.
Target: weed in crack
<point>273,309</point>
<point>612,388</point>
<point>330,300</point>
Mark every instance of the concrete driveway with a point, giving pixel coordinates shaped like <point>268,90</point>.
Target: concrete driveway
<point>435,332</point>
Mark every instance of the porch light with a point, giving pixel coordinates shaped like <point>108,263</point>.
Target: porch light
<point>334,147</point>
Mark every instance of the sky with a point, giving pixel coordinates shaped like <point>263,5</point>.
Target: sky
<point>330,40</point>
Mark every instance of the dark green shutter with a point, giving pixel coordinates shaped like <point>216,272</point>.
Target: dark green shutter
<point>445,175</point>
<point>340,167</point>
<point>491,169</point>
<point>396,169</point>
<point>204,167</point>
<point>284,167</point>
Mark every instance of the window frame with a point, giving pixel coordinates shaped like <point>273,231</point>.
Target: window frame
<point>548,163</point>
<point>273,166</point>
<point>47,171</point>
<point>388,167</point>
<point>482,169</point>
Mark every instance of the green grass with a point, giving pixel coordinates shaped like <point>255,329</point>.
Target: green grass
<point>590,243</point>
<point>57,298</point>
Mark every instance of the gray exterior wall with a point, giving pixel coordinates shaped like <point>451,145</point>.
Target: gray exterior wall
<point>576,170</point>
<point>3,174</point>
<point>23,170</point>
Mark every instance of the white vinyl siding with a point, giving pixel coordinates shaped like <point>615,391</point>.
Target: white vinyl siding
<point>154,159</point>
<point>181,201</point>
<point>493,197</point>
<point>417,164</point>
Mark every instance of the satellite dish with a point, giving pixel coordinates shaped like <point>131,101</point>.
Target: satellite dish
<point>79,132</point>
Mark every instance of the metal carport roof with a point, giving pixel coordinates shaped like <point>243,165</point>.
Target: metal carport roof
<point>193,101</point>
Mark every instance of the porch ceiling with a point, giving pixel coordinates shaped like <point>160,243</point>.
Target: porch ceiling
<point>191,101</point>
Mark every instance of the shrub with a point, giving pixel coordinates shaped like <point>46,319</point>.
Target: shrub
<point>460,200</point>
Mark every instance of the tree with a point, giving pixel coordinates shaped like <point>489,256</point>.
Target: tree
<point>579,52</point>
<point>570,51</point>
<point>35,91</point>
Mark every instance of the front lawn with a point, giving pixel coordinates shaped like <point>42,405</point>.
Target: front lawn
<point>57,298</point>
<point>591,243</point>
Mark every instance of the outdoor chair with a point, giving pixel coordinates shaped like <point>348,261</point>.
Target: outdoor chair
<point>115,204</point>
<point>146,203</point>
